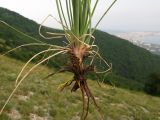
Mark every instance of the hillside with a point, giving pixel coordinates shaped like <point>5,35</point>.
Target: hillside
<point>128,60</point>
<point>130,63</point>
<point>40,99</point>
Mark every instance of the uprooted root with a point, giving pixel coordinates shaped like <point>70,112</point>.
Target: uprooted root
<point>80,70</point>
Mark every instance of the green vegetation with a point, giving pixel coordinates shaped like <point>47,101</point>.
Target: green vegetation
<point>152,86</point>
<point>41,98</point>
<point>128,60</point>
<point>80,47</point>
<point>80,50</point>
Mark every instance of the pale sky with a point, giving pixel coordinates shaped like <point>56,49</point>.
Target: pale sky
<point>132,15</point>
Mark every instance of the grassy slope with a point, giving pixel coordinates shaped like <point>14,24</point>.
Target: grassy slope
<point>41,97</point>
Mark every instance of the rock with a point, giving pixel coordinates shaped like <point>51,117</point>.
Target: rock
<point>14,114</point>
<point>120,105</point>
<point>144,109</point>
<point>23,98</point>
<point>35,107</point>
<point>30,94</point>
<point>36,117</point>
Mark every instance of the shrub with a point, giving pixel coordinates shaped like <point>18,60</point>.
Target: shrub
<point>152,86</point>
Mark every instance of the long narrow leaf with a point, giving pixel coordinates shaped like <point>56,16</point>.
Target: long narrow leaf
<point>104,15</point>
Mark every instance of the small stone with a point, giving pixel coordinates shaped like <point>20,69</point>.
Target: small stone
<point>23,98</point>
<point>14,114</point>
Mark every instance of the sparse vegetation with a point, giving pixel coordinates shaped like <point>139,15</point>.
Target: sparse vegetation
<point>45,101</point>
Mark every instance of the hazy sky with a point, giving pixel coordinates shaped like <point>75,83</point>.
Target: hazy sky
<point>133,15</point>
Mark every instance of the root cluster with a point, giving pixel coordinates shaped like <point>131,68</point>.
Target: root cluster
<point>76,66</point>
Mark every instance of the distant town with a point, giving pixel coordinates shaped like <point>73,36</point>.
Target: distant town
<point>147,40</point>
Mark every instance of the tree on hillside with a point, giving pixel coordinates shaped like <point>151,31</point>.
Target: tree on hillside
<point>152,86</point>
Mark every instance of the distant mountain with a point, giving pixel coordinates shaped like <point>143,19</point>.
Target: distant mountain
<point>128,60</point>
